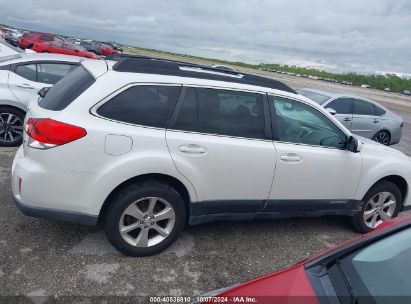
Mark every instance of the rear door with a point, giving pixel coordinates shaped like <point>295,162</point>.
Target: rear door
<point>365,122</point>
<point>220,141</point>
<point>344,108</point>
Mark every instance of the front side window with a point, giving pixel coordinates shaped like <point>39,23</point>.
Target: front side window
<point>362,107</point>
<point>27,71</point>
<point>231,113</point>
<point>29,35</point>
<point>341,105</point>
<point>299,123</point>
<point>51,73</point>
<point>146,105</point>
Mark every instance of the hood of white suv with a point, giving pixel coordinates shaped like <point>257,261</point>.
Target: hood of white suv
<point>370,145</point>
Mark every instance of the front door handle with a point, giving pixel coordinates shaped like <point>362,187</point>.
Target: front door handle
<point>192,149</point>
<point>291,157</point>
<point>25,86</point>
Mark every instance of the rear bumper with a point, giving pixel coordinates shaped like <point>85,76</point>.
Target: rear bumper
<point>57,215</point>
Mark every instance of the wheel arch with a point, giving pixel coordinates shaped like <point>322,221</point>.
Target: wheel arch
<point>397,180</point>
<point>13,104</point>
<point>170,180</point>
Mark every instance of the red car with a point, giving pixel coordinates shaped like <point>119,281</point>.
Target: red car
<point>65,48</point>
<point>373,268</point>
<point>28,39</point>
<point>106,50</point>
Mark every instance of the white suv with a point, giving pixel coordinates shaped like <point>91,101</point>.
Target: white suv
<point>147,145</point>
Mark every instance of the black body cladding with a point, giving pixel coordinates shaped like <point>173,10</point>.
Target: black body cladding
<point>147,65</point>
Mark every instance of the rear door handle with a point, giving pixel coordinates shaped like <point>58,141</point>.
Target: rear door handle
<point>192,149</point>
<point>376,121</point>
<point>25,86</point>
<point>347,119</point>
<point>291,157</point>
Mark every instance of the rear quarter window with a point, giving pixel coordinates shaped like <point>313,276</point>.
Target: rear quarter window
<point>67,90</point>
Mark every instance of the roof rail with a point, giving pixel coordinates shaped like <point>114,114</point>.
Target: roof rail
<point>151,65</point>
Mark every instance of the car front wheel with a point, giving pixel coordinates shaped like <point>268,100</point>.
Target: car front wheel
<point>145,218</point>
<point>382,202</point>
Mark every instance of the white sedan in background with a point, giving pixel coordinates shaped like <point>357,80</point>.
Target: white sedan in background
<point>21,77</point>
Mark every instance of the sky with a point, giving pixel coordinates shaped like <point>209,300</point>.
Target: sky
<point>362,36</point>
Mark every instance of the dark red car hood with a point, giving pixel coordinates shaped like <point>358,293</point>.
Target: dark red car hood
<point>290,285</point>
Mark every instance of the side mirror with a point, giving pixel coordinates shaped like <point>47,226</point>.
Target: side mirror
<point>354,145</point>
<point>331,111</point>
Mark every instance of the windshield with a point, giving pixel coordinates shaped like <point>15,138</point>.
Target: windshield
<point>382,270</point>
<point>317,97</point>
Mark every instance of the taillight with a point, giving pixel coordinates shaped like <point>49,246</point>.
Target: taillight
<point>48,133</point>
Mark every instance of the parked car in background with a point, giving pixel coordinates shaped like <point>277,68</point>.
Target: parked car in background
<point>373,268</point>
<point>65,48</point>
<point>90,46</point>
<point>198,146</point>
<point>2,34</point>
<point>223,67</point>
<point>115,46</point>
<point>407,92</point>
<point>359,115</point>
<point>106,50</point>
<point>12,36</point>
<point>28,39</point>
<point>21,77</point>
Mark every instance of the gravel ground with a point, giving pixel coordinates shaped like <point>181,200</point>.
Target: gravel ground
<point>41,260</point>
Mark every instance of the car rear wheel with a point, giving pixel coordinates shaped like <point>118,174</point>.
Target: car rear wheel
<point>382,202</point>
<point>11,126</point>
<point>383,137</point>
<point>145,218</point>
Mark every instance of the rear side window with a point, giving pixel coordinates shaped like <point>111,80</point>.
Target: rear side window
<point>341,105</point>
<point>146,105</point>
<point>362,107</point>
<point>231,113</point>
<point>67,90</point>
<point>379,111</point>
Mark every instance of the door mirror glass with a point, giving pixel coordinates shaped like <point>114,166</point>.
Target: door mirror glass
<point>354,145</point>
<point>331,111</point>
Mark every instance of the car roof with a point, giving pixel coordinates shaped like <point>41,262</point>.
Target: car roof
<point>333,94</point>
<point>148,65</point>
<point>42,56</point>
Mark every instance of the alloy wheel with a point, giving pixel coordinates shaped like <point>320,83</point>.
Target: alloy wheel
<point>379,208</point>
<point>382,138</point>
<point>147,222</point>
<point>11,128</point>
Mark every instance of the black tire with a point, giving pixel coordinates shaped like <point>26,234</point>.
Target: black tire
<point>18,113</point>
<point>30,46</point>
<point>384,186</point>
<point>128,196</point>
<point>383,137</point>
